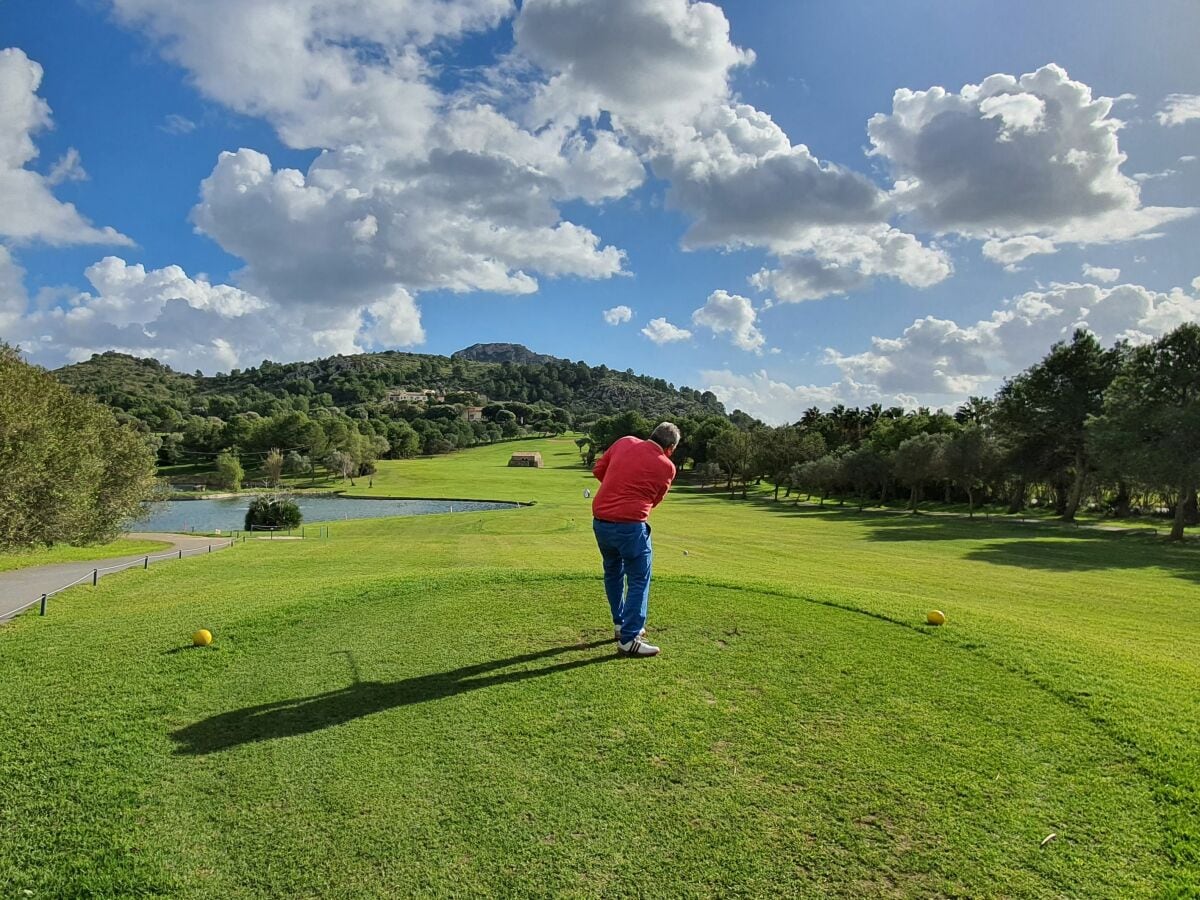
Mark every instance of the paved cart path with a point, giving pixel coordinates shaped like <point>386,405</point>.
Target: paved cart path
<point>22,586</point>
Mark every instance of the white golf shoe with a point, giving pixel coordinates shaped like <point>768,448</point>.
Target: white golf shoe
<point>637,647</point>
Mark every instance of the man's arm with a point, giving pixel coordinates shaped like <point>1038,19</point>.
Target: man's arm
<point>601,466</point>
<point>662,492</point>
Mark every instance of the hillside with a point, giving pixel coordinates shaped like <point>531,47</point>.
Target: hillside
<point>149,390</point>
<point>502,353</point>
<point>369,405</point>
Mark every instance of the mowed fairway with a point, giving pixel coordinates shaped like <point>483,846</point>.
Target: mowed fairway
<point>431,706</point>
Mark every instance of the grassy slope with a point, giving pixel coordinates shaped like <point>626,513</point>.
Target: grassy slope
<point>492,743</point>
<point>63,553</point>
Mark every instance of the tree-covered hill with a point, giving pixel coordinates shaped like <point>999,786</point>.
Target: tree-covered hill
<point>158,396</point>
<point>370,405</point>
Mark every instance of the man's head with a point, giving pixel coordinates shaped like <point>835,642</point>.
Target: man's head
<point>666,435</point>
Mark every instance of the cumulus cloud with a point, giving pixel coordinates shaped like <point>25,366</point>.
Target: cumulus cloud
<point>1098,273</point>
<point>1034,156</point>
<point>663,332</point>
<point>29,211</point>
<point>838,260</point>
<point>777,402</point>
<point>662,73</point>
<point>1013,250</point>
<point>350,231</point>
<point>191,323</point>
<point>415,190</point>
<point>940,360</point>
<point>731,314</point>
<point>1179,108</point>
<point>618,315</point>
<point>648,62</point>
<point>325,74</point>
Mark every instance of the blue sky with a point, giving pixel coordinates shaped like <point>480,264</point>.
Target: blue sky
<point>488,171</point>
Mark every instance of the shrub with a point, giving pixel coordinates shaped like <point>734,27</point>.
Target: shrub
<point>273,511</point>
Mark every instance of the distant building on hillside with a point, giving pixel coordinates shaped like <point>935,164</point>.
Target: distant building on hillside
<point>526,460</point>
<point>424,396</point>
<point>474,413</point>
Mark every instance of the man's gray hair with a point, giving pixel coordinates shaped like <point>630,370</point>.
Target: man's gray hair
<point>666,435</point>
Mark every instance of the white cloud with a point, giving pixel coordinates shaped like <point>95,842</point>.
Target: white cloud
<point>837,260</point>
<point>731,314</point>
<point>1035,156</point>
<point>663,332</point>
<point>190,323</point>
<point>1097,273</point>
<point>938,362</point>
<point>1013,250</point>
<point>68,168</point>
<point>351,230</point>
<point>618,315</point>
<point>777,402</point>
<point>13,300</point>
<point>1187,159</point>
<point>324,73</point>
<point>415,190</point>
<point>645,61</point>
<point>661,70</point>
<point>177,124</point>
<point>941,361</point>
<point>28,209</point>
<point>1178,109</point>
<point>735,172</point>
<point>1016,112</point>
<point>396,321</point>
<point>1142,177</point>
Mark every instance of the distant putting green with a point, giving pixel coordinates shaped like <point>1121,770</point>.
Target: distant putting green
<point>432,707</point>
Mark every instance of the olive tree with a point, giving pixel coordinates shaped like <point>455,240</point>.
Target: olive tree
<point>1150,425</point>
<point>919,460</point>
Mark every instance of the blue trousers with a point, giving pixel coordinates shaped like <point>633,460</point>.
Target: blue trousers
<point>625,547</point>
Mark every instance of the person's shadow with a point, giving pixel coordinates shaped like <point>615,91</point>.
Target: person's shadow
<point>301,715</point>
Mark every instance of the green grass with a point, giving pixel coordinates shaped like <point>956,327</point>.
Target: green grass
<point>63,553</point>
<point>431,707</point>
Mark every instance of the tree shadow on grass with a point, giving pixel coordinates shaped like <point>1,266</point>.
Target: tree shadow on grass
<point>1091,554</point>
<point>886,521</point>
<point>302,715</point>
<point>1034,544</point>
<point>1046,547</point>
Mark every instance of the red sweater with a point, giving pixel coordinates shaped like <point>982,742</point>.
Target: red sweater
<point>634,476</point>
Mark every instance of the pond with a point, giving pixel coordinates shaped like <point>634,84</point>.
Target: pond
<point>227,515</point>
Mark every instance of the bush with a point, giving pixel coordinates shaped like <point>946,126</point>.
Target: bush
<point>273,511</point>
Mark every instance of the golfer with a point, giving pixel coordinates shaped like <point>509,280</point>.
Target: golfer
<point>634,476</point>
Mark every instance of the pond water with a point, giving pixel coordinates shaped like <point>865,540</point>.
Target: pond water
<point>227,515</point>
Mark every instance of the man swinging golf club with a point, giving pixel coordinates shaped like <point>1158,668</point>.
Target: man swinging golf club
<point>634,476</point>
